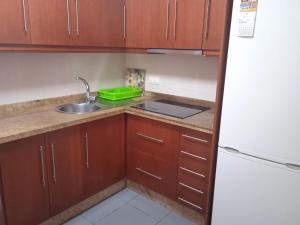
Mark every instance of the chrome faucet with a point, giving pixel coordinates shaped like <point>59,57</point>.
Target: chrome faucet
<point>89,97</point>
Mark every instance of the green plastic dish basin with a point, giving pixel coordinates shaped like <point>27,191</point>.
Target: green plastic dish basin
<point>120,93</point>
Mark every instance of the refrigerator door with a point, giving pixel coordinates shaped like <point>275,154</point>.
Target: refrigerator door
<point>255,192</point>
<point>261,107</point>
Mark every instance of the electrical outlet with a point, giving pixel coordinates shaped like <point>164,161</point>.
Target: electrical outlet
<point>154,80</point>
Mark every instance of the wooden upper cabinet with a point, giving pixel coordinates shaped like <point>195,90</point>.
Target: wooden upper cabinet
<point>112,23</point>
<point>176,24</point>
<point>148,23</point>
<point>24,181</point>
<point>64,168</point>
<point>187,23</point>
<point>14,22</point>
<point>103,144</point>
<point>99,23</point>
<point>214,24</point>
<point>51,22</point>
<point>77,22</point>
<point>134,23</point>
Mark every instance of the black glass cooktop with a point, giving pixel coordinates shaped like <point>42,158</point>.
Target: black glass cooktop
<point>171,108</point>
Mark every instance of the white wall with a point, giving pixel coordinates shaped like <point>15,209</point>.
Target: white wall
<point>31,76</point>
<point>182,75</point>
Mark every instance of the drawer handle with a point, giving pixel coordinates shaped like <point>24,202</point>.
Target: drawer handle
<point>191,188</point>
<point>189,203</point>
<point>53,162</point>
<point>149,174</point>
<point>87,163</point>
<point>43,166</point>
<point>192,172</point>
<point>195,139</point>
<point>194,156</point>
<point>150,138</point>
<point>25,16</point>
<point>68,17</point>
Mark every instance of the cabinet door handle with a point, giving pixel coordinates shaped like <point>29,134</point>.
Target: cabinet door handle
<point>149,174</point>
<point>195,139</point>
<point>87,163</point>
<point>68,17</point>
<point>192,172</point>
<point>53,162</point>
<point>175,19</point>
<point>194,156</point>
<point>191,188</point>
<point>189,203</point>
<point>77,17</point>
<point>150,138</point>
<point>25,16</point>
<point>124,21</point>
<point>168,17</point>
<point>43,166</point>
<point>207,19</point>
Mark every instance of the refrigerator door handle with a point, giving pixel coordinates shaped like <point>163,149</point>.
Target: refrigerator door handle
<point>231,150</point>
<point>292,166</point>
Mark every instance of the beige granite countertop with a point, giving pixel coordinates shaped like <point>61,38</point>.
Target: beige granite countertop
<point>27,119</point>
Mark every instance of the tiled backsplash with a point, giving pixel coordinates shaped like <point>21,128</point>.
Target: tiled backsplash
<point>135,77</point>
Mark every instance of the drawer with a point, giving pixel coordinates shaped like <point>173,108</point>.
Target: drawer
<point>195,142</point>
<point>152,172</point>
<point>193,162</point>
<point>193,179</point>
<point>191,197</point>
<point>152,137</point>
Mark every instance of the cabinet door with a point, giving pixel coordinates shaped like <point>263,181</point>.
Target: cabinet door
<point>214,24</point>
<point>14,22</point>
<point>24,181</point>
<point>64,168</point>
<point>148,23</point>
<point>2,214</point>
<point>187,23</point>
<point>112,23</point>
<point>51,22</point>
<point>104,150</point>
<point>100,23</point>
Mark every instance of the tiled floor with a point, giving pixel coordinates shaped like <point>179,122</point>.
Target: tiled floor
<point>128,208</point>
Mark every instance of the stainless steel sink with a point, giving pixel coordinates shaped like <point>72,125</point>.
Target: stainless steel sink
<point>79,108</point>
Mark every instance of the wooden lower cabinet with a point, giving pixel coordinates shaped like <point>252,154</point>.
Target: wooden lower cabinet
<point>64,168</point>
<point>41,176</point>
<point>152,153</point>
<point>103,145</point>
<point>194,161</point>
<point>153,137</point>
<point>24,181</point>
<point>152,172</point>
<point>173,161</point>
<point>44,175</point>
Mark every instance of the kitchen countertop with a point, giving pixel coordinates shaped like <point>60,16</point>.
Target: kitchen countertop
<point>27,119</point>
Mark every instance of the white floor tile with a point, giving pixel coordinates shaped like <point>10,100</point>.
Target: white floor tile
<point>78,221</point>
<point>150,207</point>
<point>103,209</point>
<point>127,215</point>
<point>126,195</point>
<point>174,219</point>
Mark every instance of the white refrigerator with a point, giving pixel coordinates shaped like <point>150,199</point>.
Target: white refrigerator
<point>258,164</point>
